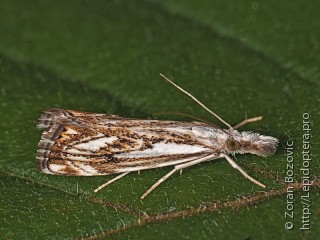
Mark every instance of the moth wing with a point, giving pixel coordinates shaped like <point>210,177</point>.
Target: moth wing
<point>63,116</point>
<point>88,144</point>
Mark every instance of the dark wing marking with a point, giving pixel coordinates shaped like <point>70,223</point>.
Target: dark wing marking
<point>62,116</point>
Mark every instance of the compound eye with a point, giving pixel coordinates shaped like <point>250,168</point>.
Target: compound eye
<point>233,145</point>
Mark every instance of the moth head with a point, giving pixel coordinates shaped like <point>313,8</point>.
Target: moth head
<point>233,145</point>
<point>249,142</point>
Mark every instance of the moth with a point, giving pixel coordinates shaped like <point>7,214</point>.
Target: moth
<point>90,144</point>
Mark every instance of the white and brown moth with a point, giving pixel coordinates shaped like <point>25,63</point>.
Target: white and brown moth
<point>90,144</point>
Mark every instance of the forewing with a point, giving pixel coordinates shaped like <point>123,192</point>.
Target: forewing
<point>88,144</point>
<point>55,115</point>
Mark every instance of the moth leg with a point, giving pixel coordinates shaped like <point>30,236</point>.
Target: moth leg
<point>236,166</point>
<point>246,121</point>
<point>176,168</point>
<point>111,181</point>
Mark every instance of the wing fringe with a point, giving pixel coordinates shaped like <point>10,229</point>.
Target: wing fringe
<point>54,115</point>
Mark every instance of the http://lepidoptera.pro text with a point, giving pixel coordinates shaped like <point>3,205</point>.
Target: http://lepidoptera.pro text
<point>90,144</point>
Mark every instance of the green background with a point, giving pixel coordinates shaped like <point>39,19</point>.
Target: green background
<point>241,58</point>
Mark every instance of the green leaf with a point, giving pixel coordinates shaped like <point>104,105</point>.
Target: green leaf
<point>34,211</point>
<point>260,222</point>
<point>106,56</point>
<point>284,33</point>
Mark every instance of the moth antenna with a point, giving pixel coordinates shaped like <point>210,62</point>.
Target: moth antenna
<point>190,116</point>
<point>196,100</point>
